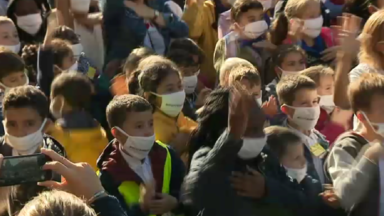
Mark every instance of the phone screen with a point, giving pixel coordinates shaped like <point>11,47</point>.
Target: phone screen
<point>24,169</point>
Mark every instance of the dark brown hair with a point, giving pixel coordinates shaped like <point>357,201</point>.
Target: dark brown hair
<point>134,59</point>
<point>61,49</point>
<point>288,86</point>
<point>65,33</point>
<point>10,63</point>
<point>279,138</point>
<point>242,6</point>
<point>26,96</point>
<point>76,89</point>
<point>120,106</point>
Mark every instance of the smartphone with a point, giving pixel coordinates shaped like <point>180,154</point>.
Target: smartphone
<point>24,169</point>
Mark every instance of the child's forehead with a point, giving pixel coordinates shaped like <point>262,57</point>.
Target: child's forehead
<point>25,113</point>
<point>14,74</point>
<point>6,26</point>
<point>133,117</point>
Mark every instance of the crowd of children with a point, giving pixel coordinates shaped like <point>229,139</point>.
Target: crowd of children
<point>246,107</point>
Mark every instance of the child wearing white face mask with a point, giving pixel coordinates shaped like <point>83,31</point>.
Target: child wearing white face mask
<point>190,70</point>
<point>304,20</point>
<point>161,84</point>
<point>75,128</point>
<point>300,102</point>
<point>12,74</point>
<point>333,121</point>
<point>26,110</point>
<point>30,17</point>
<point>144,174</point>
<point>9,38</point>
<point>247,39</point>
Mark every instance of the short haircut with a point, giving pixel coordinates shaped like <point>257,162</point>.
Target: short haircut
<point>76,89</point>
<point>61,49</point>
<point>4,20</point>
<point>362,91</point>
<point>26,96</point>
<point>10,63</point>
<point>181,58</point>
<point>134,59</point>
<point>65,33</point>
<point>245,73</point>
<point>228,65</point>
<point>279,138</point>
<point>316,72</point>
<point>242,6</point>
<point>120,106</point>
<point>188,45</point>
<point>51,203</point>
<point>288,86</point>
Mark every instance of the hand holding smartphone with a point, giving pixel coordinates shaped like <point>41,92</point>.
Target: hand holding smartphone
<point>17,170</point>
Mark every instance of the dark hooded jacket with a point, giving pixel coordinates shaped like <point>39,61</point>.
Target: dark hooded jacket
<point>26,38</point>
<point>21,194</point>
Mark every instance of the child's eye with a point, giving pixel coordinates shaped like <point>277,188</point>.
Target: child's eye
<point>139,126</point>
<point>30,123</point>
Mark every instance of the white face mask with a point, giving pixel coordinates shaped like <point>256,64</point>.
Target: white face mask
<point>306,117</point>
<point>13,48</point>
<point>80,6</point>
<point>327,103</point>
<point>77,49</point>
<point>190,84</point>
<point>251,147</point>
<point>30,23</point>
<point>258,99</point>
<point>172,104</point>
<point>255,29</point>
<point>74,67</point>
<point>312,27</point>
<point>379,126</point>
<point>27,144</point>
<point>6,88</point>
<point>298,174</point>
<point>267,4</point>
<point>287,73</point>
<point>137,147</point>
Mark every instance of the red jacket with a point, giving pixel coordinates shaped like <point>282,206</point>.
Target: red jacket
<point>329,129</point>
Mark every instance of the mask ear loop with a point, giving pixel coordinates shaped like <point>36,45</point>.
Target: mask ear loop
<point>369,121</point>
<point>62,106</point>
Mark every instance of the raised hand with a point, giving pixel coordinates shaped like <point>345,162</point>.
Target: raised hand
<point>140,9</point>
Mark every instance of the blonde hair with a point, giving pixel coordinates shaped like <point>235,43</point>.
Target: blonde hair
<point>280,26</point>
<point>52,203</point>
<point>373,32</point>
<point>228,66</point>
<point>5,20</point>
<point>244,73</point>
<point>316,72</point>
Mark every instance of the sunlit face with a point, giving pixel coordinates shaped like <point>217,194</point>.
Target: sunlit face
<point>294,156</point>
<point>21,122</point>
<point>189,71</point>
<point>170,84</point>
<point>326,85</point>
<point>14,80</point>
<point>293,61</point>
<point>312,10</point>
<point>304,98</point>
<point>8,34</point>
<point>136,124</point>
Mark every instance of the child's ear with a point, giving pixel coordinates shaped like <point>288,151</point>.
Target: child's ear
<point>113,132</point>
<point>146,95</point>
<point>284,109</point>
<point>360,116</point>
<point>380,47</point>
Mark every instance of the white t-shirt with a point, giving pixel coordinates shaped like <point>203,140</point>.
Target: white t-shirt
<point>143,170</point>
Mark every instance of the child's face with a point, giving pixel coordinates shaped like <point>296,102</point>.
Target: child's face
<point>312,10</point>
<point>137,124</point>
<point>326,85</point>
<point>294,156</point>
<point>26,7</point>
<point>14,80</point>
<point>8,34</point>
<point>255,90</point>
<point>304,98</point>
<point>21,122</point>
<point>250,16</point>
<point>170,84</point>
<point>293,61</point>
<point>68,61</point>
<point>189,71</point>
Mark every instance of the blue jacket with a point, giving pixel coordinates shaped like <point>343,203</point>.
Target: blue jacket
<point>125,31</point>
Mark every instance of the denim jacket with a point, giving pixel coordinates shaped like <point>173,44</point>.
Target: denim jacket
<point>125,31</point>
